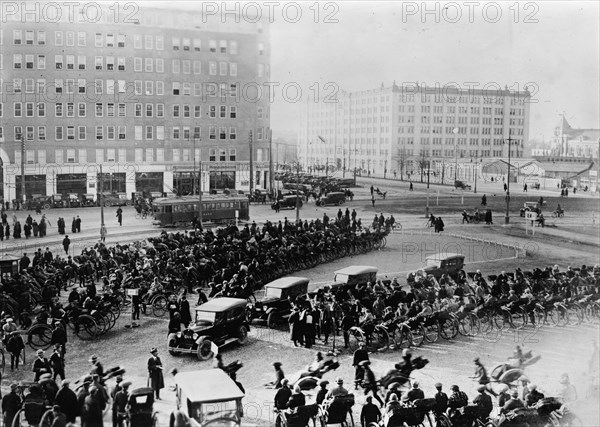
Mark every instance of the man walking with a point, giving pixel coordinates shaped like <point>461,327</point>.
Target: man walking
<point>78,224</point>
<point>66,243</point>
<point>120,405</point>
<point>120,216</point>
<point>155,372</point>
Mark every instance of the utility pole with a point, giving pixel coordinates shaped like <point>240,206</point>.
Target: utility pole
<point>507,217</point>
<point>476,170</point>
<point>199,179</point>
<point>297,191</point>
<point>251,162</point>
<point>455,132</point>
<point>101,200</point>
<point>271,161</point>
<point>428,173</point>
<point>23,196</point>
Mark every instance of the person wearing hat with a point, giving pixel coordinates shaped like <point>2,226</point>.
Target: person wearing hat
<point>83,392</point>
<point>513,403</point>
<point>155,373</point>
<point>480,372</point>
<point>8,328</point>
<point>184,310</point>
<point>279,376</point>
<point>370,415</point>
<point>393,388</point>
<point>283,395</point>
<point>322,393</point>
<point>49,387</point>
<point>57,362</point>
<point>458,399</point>
<point>393,404</point>
<point>59,418</point>
<point>369,383</point>
<point>15,345</point>
<point>441,399</point>
<point>119,408</point>
<point>11,403</point>
<point>338,390</point>
<point>360,355</point>
<point>296,399</point>
<point>415,393</point>
<point>534,395</point>
<point>117,387</point>
<point>59,337</point>
<point>483,402</point>
<point>67,400</point>
<point>97,368</point>
<point>41,365</point>
<point>92,413</point>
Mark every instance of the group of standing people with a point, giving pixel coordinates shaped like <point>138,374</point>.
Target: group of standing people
<point>31,227</point>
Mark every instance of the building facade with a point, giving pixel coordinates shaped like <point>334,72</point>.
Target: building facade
<point>403,129</point>
<point>156,98</point>
<point>570,142</point>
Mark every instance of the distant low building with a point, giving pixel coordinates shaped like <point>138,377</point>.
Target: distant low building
<point>570,142</point>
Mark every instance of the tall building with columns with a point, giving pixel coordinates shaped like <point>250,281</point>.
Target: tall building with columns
<point>152,95</point>
<point>399,128</point>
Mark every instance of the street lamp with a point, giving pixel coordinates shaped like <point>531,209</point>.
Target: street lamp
<point>428,173</point>
<point>455,132</point>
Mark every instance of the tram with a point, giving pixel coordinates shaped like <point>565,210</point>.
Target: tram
<point>172,212</point>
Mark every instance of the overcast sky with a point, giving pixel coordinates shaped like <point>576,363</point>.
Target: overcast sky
<point>553,44</point>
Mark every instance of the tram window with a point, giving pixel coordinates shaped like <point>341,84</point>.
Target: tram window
<point>167,209</point>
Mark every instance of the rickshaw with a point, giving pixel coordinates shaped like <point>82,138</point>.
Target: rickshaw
<point>141,408</point>
<point>413,415</point>
<point>209,397</point>
<point>32,411</point>
<point>337,411</point>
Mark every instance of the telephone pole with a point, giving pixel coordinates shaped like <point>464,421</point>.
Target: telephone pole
<point>271,180</point>
<point>23,196</point>
<point>507,217</point>
<point>100,199</point>
<point>251,162</point>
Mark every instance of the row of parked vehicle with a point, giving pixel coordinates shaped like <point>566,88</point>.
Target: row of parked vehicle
<point>74,200</point>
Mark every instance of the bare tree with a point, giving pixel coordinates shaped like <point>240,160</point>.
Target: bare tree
<point>402,161</point>
<point>422,162</point>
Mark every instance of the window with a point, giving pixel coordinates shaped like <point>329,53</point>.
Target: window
<point>81,109</point>
<point>41,37</point>
<point>261,48</point>
<point>186,44</point>
<point>232,133</point>
<point>197,67</point>
<point>176,110</point>
<point>148,42</point>
<point>261,70</point>
<point>110,133</point>
<point>212,132</point>
<point>110,40</point>
<point>197,45</point>
<point>212,111</point>
<point>149,132</point>
<point>187,88</point>
<point>223,112</point>
<point>70,62</point>
<point>120,40</point>
<point>138,110</point>
<point>58,60</point>
<point>110,87</point>
<point>175,134</point>
<point>149,110</point>
<point>175,66</point>
<point>149,154</point>
<point>259,133</point>
<point>148,65</point>
<point>18,109</point>
<point>18,37</point>
<point>232,154</point>
<point>222,46</point>
<point>212,68</point>
<point>122,110</point>
<point>29,130</point>
<point>99,109</point>
<point>223,133</point>
<point>110,63</point>
<point>70,38</point>
<point>70,109</point>
<point>71,132</point>
<point>222,155</point>
<point>160,42</point>
<point>81,60</point>
<point>98,40</point>
<point>121,64</point>
<point>233,47</point>
<point>160,65</point>
<point>197,111</point>
<point>17,61</point>
<point>41,110</point>
<point>137,41</point>
<point>82,133</point>
<point>232,112</point>
<point>149,87</point>
<point>29,109</point>
<point>41,62</point>
<point>176,88</point>
<point>175,43</point>
<point>212,46</point>
<point>197,132</point>
<point>160,133</point>
<point>58,133</point>
<point>29,62</point>
<point>186,111</point>
<point>233,69</point>
<point>58,109</point>
<point>212,155</point>
<point>99,132</point>
<point>186,66</point>
<point>41,134</point>
<point>223,68</point>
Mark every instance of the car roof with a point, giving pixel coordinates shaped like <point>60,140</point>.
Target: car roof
<point>336,193</point>
<point>357,269</point>
<point>287,282</point>
<point>221,304</point>
<point>210,385</point>
<point>441,256</point>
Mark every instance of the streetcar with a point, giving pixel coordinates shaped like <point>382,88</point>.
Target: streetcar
<point>171,212</point>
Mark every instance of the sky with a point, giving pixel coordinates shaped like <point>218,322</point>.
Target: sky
<point>553,47</point>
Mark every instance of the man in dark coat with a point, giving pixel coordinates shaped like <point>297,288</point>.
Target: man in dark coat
<point>184,310</point>
<point>359,355</point>
<point>59,336</point>
<point>92,413</point>
<point>11,403</point>
<point>58,362</point>
<point>41,365</point>
<point>66,243</point>
<point>120,216</point>
<point>25,262</point>
<point>67,400</point>
<point>155,372</point>
<point>78,224</point>
<point>295,330</point>
<point>120,405</point>
<point>74,226</point>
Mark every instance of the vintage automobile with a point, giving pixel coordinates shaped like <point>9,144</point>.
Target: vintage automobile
<point>140,411</point>
<point>288,202</point>
<point>45,202</point>
<point>218,322</point>
<point>209,398</point>
<point>115,199</point>
<point>88,200</point>
<point>73,200</point>
<point>335,198</point>
<point>531,206</point>
<point>355,275</point>
<point>448,263</point>
<point>461,185</point>
<point>276,305</point>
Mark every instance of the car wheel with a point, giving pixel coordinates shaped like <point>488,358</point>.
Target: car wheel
<point>172,342</point>
<point>107,204</point>
<point>340,203</point>
<point>272,320</point>
<point>46,206</point>
<point>242,335</point>
<point>204,350</point>
<point>128,203</point>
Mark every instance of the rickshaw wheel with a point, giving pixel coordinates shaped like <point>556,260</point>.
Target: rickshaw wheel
<point>17,419</point>
<point>204,350</point>
<point>39,336</point>
<point>47,419</point>
<point>88,329</point>
<point>159,306</point>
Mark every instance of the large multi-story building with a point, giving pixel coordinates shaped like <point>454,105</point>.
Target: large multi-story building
<point>403,128</point>
<point>152,95</point>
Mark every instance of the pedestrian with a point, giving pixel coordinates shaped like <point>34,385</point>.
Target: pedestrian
<point>92,412</point>
<point>525,187</point>
<point>57,362</point>
<point>372,189</point>
<point>27,230</point>
<point>184,310</point>
<point>119,409</point>
<point>11,403</point>
<point>67,400</point>
<point>370,414</point>
<point>369,383</point>
<point>155,373</point>
<point>103,233</point>
<point>7,231</point>
<point>74,226</point>
<point>505,187</point>
<point>41,365</point>
<point>372,200</point>
<point>78,224</point>
<point>360,355</point>
<point>120,216</point>
<point>294,322</point>
<point>66,243</point>
<point>410,187</point>
<point>441,400</point>
<point>36,228</point>
<point>15,345</point>
<point>17,230</point>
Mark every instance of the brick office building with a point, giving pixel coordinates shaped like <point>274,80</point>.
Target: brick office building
<point>151,95</point>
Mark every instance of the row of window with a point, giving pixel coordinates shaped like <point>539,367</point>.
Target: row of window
<point>79,38</point>
<point>112,133</point>
<point>142,155</point>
